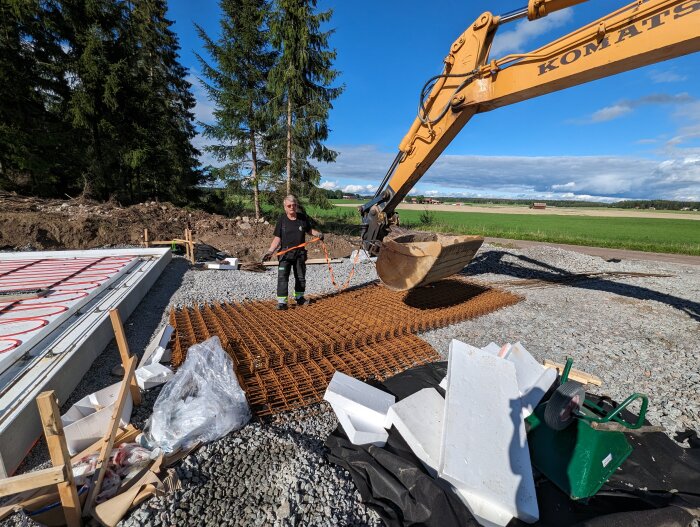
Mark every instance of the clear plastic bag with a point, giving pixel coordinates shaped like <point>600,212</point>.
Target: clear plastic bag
<point>201,403</point>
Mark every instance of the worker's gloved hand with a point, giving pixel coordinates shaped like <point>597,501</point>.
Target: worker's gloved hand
<point>267,256</point>
<point>319,236</point>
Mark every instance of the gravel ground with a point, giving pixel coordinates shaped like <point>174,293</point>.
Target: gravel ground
<point>635,333</point>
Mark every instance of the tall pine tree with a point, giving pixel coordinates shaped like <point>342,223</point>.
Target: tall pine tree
<point>93,98</point>
<point>97,65</point>
<point>237,85</point>
<point>301,82</point>
<point>33,92</point>
<point>158,108</point>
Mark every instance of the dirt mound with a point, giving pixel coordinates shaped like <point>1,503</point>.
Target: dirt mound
<point>49,224</point>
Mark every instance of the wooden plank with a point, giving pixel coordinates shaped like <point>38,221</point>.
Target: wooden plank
<point>177,241</point>
<point>32,480</point>
<point>58,451</point>
<point>310,261</point>
<point>124,352</point>
<point>574,374</point>
<point>109,438</point>
<point>612,426</point>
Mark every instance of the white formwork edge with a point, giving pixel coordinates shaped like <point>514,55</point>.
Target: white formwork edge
<point>60,360</point>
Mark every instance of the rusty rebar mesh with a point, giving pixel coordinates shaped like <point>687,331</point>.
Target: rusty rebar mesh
<point>284,359</point>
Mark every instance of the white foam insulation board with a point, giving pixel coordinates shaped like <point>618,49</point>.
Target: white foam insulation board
<point>484,451</point>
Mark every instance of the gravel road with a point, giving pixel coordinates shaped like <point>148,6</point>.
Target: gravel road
<point>636,333</point>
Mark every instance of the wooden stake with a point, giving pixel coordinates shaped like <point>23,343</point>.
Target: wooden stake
<point>145,237</point>
<point>123,346</point>
<point>189,244</point>
<point>58,450</point>
<point>108,440</point>
<point>192,248</point>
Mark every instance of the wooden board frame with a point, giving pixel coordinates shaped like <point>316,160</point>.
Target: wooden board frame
<point>109,438</point>
<point>124,352</point>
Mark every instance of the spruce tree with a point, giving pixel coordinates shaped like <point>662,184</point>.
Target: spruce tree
<point>94,38</point>
<point>33,91</point>
<point>157,109</point>
<point>237,85</point>
<point>301,83</point>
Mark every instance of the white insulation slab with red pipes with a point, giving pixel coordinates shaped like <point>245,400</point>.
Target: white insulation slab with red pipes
<point>48,342</point>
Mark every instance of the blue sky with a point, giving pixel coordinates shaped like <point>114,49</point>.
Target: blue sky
<point>633,135</point>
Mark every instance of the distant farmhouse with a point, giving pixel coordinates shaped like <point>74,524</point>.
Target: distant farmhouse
<point>538,205</point>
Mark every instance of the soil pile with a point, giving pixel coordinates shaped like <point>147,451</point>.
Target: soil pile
<point>28,223</point>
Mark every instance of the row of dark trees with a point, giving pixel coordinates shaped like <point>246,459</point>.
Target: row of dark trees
<point>93,100</point>
<point>270,76</point>
<point>659,204</point>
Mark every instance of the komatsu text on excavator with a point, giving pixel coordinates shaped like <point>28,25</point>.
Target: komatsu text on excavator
<point>641,33</point>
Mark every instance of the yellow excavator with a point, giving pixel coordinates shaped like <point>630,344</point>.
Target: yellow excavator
<point>641,33</point>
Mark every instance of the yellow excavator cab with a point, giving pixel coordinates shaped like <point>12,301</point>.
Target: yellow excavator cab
<point>420,258</point>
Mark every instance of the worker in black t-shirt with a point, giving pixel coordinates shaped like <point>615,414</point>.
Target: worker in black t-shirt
<point>290,231</point>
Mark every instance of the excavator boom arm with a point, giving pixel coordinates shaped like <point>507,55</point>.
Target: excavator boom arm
<point>636,35</point>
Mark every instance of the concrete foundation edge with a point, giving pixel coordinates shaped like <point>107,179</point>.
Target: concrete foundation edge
<point>20,435</point>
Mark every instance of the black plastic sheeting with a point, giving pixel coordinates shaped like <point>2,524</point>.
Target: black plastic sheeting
<point>658,484</point>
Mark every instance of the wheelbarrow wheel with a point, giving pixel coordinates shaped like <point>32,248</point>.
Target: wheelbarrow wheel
<point>562,405</point>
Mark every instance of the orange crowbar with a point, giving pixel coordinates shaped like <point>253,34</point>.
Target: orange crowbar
<point>312,240</point>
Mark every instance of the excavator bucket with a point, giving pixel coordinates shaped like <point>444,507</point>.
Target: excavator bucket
<point>417,259</point>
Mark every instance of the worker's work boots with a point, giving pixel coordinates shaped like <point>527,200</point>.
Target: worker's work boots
<point>281,306</point>
<point>301,301</point>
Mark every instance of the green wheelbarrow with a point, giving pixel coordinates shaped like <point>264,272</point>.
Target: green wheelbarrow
<point>575,442</point>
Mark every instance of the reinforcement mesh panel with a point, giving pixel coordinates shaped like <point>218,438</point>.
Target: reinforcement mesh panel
<point>285,359</point>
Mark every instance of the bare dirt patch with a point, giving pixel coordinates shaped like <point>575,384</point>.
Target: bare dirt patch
<point>50,224</point>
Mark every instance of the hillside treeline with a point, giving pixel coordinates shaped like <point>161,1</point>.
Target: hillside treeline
<point>94,100</point>
<point>658,204</point>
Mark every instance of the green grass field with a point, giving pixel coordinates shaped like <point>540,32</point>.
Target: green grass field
<point>642,234</point>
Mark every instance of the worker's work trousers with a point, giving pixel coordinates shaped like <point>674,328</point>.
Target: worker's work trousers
<point>285,267</point>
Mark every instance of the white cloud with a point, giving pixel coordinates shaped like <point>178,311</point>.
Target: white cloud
<point>626,106</point>
<point>360,189</point>
<point>565,186</point>
<point>515,40</point>
<point>329,185</point>
<point>609,113</point>
<point>432,192</point>
<point>659,76</point>
<point>205,158</point>
<point>204,110</point>
<point>595,178</point>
